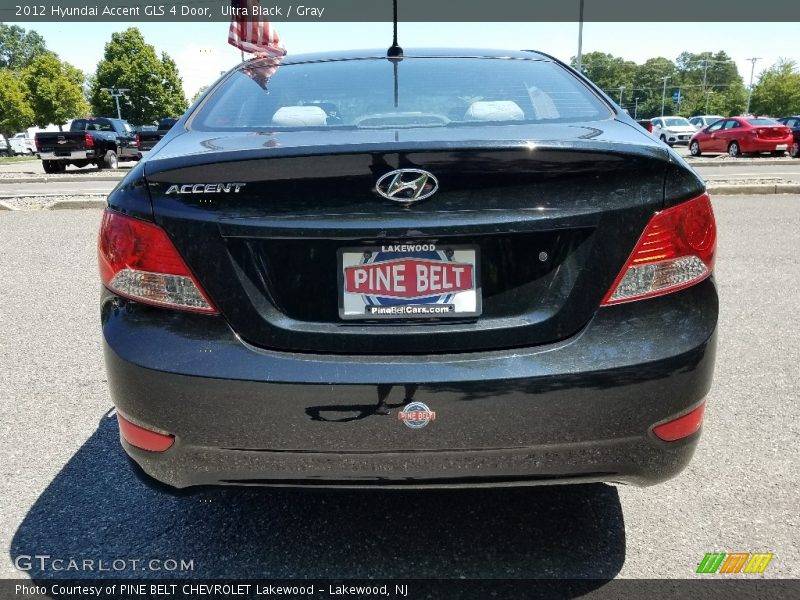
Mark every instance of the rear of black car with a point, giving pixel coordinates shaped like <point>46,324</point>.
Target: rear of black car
<point>446,270</point>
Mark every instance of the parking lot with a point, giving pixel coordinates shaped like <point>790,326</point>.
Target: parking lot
<point>67,490</point>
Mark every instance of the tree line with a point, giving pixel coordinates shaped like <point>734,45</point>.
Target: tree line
<point>38,88</point>
<point>705,83</point>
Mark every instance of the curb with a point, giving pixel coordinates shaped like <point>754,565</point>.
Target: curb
<point>54,195</point>
<point>4,206</point>
<point>76,204</point>
<point>755,189</point>
<point>78,178</point>
<point>705,162</point>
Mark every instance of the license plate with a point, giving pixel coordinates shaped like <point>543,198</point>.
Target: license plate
<point>409,281</point>
<point>781,147</point>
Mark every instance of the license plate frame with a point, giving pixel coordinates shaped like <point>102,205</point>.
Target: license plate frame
<point>466,304</point>
<point>779,147</point>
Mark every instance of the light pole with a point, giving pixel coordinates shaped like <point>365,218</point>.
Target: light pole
<point>705,62</point>
<point>664,95</point>
<point>635,108</point>
<point>117,92</point>
<point>750,91</point>
<point>579,59</point>
<point>621,89</point>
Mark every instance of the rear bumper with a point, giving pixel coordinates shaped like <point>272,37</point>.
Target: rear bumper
<point>578,410</point>
<point>76,155</point>
<point>762,145</point>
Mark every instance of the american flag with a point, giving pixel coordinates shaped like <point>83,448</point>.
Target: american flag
<point>253,34</point>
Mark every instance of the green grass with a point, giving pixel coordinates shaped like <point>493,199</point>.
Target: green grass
<point>13,159</point>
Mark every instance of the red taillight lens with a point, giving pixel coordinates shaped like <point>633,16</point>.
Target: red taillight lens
<point>144,438</point>
<point>676,250</point>
<point>138,261</point>
<point>88,140</point>
<point>682,426</point>
<point>137,140</point>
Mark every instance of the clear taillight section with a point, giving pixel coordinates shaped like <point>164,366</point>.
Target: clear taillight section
<point>676,250</point>
<point>138,261</point>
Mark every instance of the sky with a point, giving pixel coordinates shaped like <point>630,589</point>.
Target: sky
<point>201,50</point>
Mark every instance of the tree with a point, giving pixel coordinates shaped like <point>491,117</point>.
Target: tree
<point>199,93</point>
<point>648,86</point>
<point>55,90</point>
<point>18,48</point>
<point>710,84</point>
<point>154,88</point>
<point>777,92</point>
<point>608,72</point>
<point>15,113</point>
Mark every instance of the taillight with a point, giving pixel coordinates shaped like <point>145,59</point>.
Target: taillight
<point>675,251</point>
<point>88,140</point>
<point>137,140</point>
<point>682,427</point>
<point>36,143</point>
<point>138,261</point>
<point>146,439</point>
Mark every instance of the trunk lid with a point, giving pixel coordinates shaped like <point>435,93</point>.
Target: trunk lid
<point>553,211</point>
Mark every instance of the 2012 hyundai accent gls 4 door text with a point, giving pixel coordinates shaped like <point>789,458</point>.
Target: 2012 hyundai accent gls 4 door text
<point>461,268</point>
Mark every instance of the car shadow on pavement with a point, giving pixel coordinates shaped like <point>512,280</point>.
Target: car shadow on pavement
<point>97,509</point>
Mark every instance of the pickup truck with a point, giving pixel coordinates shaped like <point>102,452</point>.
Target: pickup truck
<point>99,141</point>
<point>146,140</point>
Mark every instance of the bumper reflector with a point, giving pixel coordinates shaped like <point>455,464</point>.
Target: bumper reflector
<point>144,438</point>
<point>682,426</point>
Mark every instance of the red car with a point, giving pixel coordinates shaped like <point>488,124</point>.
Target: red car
<point>742,135</point>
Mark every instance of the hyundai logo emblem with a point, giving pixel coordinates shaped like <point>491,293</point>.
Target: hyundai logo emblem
<point>407,185</point>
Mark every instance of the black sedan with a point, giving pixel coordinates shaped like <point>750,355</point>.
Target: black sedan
<point>451,268</point>
<point>794,124</point>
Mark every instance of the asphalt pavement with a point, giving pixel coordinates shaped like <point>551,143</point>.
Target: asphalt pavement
<point>67,491</point>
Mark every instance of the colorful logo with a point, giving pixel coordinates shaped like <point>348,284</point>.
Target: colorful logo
<point>416,415</point>
<point>391,278</point>
<point>734,562</point>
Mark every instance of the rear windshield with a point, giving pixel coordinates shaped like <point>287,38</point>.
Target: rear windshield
<point>426,92</point>
<point>676,122</point>
<point>762,122</point>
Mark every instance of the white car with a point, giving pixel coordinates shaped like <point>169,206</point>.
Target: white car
<point>703,121</point>
<point>22,144</point>
<point>673,130</point>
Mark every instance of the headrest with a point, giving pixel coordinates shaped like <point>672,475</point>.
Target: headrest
<point>496,110</point>
<point>300,116</point>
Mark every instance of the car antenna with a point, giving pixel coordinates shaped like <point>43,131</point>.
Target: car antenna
<point>395,54</point>
<point>395,51</point>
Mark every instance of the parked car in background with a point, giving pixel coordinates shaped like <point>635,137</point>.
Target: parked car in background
<point>703,121</point>
<point>22,143</point>
<point>673,130</point>
<point>742,135</point>
<point>5,147</point>
<point>99,141</point>
<point>793,123</point>
<point>146,139</point>
<point>646,124</point>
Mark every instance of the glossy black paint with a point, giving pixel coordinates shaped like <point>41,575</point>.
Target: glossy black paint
<point>591,196</point>
<point>581,408</point>
<point>546,386</point>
